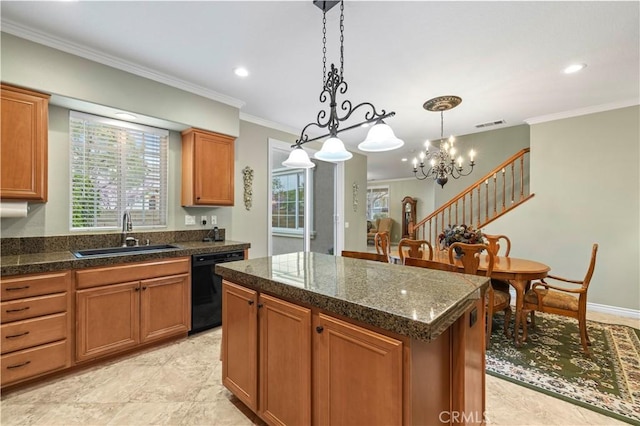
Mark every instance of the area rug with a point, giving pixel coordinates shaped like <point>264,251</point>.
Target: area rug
<point>552,362</point>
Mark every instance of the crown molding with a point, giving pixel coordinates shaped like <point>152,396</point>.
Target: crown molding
<point>112,61</point>
<point>267,123</point>
<point>582,111</point>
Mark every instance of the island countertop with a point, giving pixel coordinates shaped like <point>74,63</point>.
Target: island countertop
<point>415,302</point>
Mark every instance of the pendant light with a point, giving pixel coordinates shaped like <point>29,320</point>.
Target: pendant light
<point>333,149</point>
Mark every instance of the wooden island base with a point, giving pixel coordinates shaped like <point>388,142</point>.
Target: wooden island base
<point>294,364</point>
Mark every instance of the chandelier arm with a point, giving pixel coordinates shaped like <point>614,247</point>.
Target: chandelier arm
<point>304,138</point>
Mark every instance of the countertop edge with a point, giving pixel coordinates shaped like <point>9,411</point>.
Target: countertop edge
<point>57,261</point>
<point>375,317</point>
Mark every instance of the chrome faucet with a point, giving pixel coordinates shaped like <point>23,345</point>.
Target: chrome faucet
<point>127,226</point>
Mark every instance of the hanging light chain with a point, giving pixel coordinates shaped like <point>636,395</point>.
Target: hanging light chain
<point>341,39</point>
<point>324,47</point>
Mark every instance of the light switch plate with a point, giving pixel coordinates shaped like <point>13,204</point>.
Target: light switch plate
<point>214,220</point>
<point>189,220</point>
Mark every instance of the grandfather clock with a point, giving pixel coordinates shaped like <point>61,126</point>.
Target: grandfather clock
<point>408,216</point>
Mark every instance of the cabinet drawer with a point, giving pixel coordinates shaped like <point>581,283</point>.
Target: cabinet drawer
<point>23,334</point>
<point>116,274</point>
<point>31,362</point>
<point>18,287</point>
<point>31,307</point>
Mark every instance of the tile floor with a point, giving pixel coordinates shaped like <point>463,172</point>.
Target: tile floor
<point>179,384</point>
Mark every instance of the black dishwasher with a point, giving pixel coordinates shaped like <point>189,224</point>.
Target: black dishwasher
<point>206,289</point>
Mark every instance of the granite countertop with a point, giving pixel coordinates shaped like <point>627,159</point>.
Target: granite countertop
<point>60,260</point>
<point>415,302</point>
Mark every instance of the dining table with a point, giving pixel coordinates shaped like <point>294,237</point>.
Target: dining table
<point>517,272</point>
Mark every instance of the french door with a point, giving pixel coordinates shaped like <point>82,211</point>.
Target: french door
<point>306,205</point>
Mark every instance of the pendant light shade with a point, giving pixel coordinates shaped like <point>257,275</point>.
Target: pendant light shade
<point>333,150</point>
<point>380,138</point>
<point>298,159</point>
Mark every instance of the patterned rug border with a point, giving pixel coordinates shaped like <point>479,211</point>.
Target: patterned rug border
<point>540,387</point>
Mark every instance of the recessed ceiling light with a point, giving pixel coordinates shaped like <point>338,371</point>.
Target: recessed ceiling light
<point>241,72</point>
<point>574,68</point>
<point>404,159</point>
<point>126,116</point>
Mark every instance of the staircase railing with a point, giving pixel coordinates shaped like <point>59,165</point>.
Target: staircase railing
<point>491,196</point>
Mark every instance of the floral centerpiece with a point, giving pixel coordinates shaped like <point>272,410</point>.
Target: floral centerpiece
<point>460,234</point>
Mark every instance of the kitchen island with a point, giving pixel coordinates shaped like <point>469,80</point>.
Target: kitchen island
<point>317,339</point>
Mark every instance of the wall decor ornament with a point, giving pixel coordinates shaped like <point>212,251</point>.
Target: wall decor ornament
<point>355,187</point>
<point>247,174</point>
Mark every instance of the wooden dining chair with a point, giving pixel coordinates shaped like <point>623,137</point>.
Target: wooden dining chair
<point>365,255</point>
<point>496,300</point>
<point>415,249</point>
<point>495,244</point>
<point>430,264</point>
<point>569,302</point>
<point>382,242</point>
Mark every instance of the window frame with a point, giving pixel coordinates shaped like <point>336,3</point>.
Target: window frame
<point>298,231</point>
<point>370,189</point>
<point>129,130</point>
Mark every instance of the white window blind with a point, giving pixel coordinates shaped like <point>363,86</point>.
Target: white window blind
<point>117,166</point>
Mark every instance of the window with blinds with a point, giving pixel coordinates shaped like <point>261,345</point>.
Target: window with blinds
<point>117,166</point>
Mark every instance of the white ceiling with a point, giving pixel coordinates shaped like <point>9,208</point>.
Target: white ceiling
<point>505,59</point>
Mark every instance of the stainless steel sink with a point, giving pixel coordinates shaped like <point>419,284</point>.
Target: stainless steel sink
<point>118,251</point>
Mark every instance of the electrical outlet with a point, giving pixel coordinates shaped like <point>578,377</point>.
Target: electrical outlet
<point>214,220</point>
<point>203,220</point>
<point>346,224</point>
<point>189,220</point>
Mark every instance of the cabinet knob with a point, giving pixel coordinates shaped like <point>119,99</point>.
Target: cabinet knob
<point>319,329</point>
<point>259,305</point>
<point>144,288</point>
<point>137,288</point>
<point>250,302</point>
<point>197,198</point>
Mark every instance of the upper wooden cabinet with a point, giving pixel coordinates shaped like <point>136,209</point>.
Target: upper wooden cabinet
<point>207,168</point>
<point>24,144</point>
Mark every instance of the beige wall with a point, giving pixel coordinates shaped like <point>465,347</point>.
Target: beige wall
<point>492,148</point>
<point>355,236</point>
<point>584,173</point>
<point>38,67</point>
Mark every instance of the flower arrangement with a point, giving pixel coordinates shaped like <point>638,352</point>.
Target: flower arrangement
<point>460,234</point>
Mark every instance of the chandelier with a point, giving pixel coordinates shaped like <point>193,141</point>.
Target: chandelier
<point>379,138</point>
<point>443,161</point>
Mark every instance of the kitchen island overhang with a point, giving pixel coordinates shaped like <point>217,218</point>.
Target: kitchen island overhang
<point>415,302</point>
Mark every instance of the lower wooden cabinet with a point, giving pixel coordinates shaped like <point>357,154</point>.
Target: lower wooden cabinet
<point>266,360</point>
<point>113,317</point>
<point>296,366</point>
<point>36,330</point>
<point>346,354</point>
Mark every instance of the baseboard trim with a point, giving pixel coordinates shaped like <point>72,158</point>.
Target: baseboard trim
<point>614,310</point>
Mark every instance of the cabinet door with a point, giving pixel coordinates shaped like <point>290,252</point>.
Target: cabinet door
<point>207,168</point>
<point>108,319</point>
<point>240,342</point>
<point>357,375</point>
<point>285,362</point>
<point>23,145</point>
<point>165,307</point>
